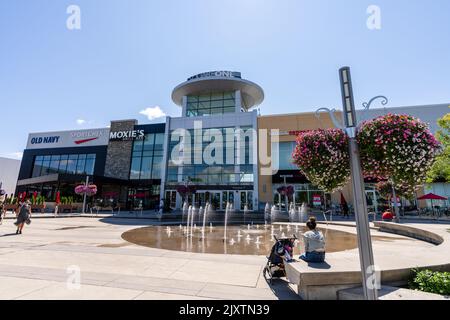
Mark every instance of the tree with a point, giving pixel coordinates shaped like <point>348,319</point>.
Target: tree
<point>440,171</point>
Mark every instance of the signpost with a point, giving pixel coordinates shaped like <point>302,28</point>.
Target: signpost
<point>359,199</point>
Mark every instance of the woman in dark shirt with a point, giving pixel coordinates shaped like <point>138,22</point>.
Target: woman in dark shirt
<point>23,216</point>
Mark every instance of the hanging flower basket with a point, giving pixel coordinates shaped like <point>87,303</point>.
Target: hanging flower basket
<point>322,156</point>
<point>286,191</point>
<point>399,148</point>
<point>89,190</point>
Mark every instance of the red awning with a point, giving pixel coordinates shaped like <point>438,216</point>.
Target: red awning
<point>431,196</point>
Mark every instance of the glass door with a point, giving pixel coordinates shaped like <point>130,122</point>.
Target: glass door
<point>246,198</point>
<point>172,197</point>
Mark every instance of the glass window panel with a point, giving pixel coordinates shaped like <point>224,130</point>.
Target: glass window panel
<point>156,168</point>
<point>47,158</point>
<point>146,168</point>
<point>147,153</point>
<point>204,97</point>
<point>72,163</point>
<point>217,104</point>
<point>39,158</point>
<point>228,109</point>
<point>137,145</point>
<point>89,168</point>
<point>81,164</point>
<point>135,168</point>
<point>192,98</point>
<point>217,96</point>
<point>90,156</point>
<point>149,139</point>
<point>229,103</point>
<point>54,164</point>
<point>228,95</point>
<point>159,139</point>
<point>45,167</point>
<point>37,168</point>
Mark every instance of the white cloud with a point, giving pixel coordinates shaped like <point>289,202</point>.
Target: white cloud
<point>153,113</point>
<point>80,122</point>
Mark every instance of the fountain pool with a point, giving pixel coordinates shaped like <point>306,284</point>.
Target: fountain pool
<point>246,241</point>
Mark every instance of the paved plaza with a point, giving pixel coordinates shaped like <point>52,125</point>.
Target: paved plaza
<point>38,264</point>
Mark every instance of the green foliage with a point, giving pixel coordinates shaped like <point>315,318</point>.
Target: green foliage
<point>430,281</point>
<point>66,200</point>
<point>440,171</point>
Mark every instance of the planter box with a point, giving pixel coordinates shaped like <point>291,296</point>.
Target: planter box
<point>11,207</point>
<point>66,208</point>
<point>38,208</point>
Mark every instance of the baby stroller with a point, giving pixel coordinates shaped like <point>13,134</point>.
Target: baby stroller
<point>283,247</point>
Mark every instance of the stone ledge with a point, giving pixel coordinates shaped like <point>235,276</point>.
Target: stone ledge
<point>409,231</point>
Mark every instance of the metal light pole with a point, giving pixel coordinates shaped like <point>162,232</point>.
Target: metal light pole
<point>84,195</point>
<point>359,199</point>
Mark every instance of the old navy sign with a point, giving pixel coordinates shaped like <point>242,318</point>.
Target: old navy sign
<point>221,74</point>
<point>127,135</point>
<point>45,140</point>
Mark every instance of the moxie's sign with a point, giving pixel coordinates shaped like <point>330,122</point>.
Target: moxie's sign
<point>126,135</point>
<point>223,74</point>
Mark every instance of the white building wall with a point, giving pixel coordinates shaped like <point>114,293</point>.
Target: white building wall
<point>9,172</point>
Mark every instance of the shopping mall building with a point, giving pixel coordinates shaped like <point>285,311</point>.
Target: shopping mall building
<point>220,146</point>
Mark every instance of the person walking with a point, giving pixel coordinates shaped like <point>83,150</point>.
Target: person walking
<point>23,216</point>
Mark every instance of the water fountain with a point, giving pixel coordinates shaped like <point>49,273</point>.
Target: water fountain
<point>292,213</point>
<point>239,235</point>
<point>210,227</point>
<point>205,214</point>
<point>184,211</point>
<point>245,212</point>
<point>303,212</point>
<point>273,214</point>
<point>194,211</point>
<point>257,240</point>
<point>232,242</point>
<point>189,214</point>
<point>266,213</point>
<point>227,209</point>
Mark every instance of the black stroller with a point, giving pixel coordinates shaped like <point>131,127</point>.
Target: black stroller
<point>283,247</point>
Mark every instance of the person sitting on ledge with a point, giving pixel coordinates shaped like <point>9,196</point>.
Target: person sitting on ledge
<point>314,243</point>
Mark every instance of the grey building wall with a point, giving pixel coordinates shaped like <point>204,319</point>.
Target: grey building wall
<point>118,157</point>
<point>9,171</point>
<point>427,113</point>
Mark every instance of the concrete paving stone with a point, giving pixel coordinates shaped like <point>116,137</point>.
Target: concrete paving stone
<point>14,287</point>
<point>225,273</point>
<point>149,295</point>
<point>60,291</point>
<point>220,291</point>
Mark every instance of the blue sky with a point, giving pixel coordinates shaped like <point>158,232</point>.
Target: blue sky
<point>130,54</point>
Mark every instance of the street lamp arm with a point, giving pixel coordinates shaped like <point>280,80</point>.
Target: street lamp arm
<point>366,105</point>
<point>331,112</point>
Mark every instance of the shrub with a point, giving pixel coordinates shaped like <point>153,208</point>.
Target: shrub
<point>431,281</point>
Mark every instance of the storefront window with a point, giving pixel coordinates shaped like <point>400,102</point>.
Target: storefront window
<point>147,157</point>
<point>211,104</point>
<point>71,164</point>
